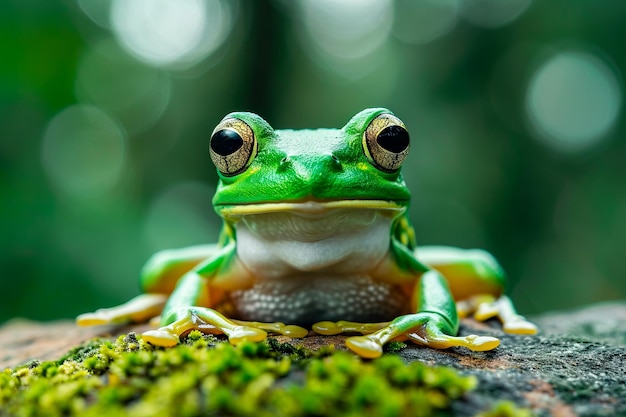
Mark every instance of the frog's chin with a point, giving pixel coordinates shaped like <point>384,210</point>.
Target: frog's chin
<point>300,226</point>
<point>311,208</point>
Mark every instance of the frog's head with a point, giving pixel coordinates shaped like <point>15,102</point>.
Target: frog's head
<point>265,170</point>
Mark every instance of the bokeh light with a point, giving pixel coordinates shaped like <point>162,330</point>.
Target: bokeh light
<point>174,33</point>
<point>135,93</point>
<point>98,11</point>
<point>493,13</point>
<point>343,35</point>
<point>83,151</point>
<point>573,100</point>
<point>423,21</point>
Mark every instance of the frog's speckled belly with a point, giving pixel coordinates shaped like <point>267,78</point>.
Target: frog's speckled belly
<point>307,300</point>
<point>313,268</point>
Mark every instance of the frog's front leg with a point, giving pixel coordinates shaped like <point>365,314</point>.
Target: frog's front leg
<point>189,307</point>
<point>211,321</point>
<point>434,325</point>
<point>477,282</point>
<point>206,320</point>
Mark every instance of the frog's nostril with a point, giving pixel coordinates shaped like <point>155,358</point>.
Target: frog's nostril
<point>284,164</point>
<point>336,163</point>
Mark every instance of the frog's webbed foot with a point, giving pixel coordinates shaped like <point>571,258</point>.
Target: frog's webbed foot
<point>289,330</point>
<point>211,321</point>
<point>485,307</point>
<point>137,310</point>
<point>422,328</point>
<point>207,321</point>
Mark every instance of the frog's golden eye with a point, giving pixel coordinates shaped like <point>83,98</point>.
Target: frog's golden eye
<point>233,146</point>
<point>386,142</point>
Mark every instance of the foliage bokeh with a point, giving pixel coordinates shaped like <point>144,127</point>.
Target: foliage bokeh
<point>514,107</point>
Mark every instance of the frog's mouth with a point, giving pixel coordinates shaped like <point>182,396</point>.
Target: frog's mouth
<point>314,221</point>
<point>308,208</point>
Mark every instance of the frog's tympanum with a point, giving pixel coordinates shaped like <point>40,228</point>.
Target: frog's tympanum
<point>316,234</point>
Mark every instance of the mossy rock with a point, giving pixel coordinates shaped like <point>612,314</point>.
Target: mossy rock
<point>551,374</point>
<point>206,376</point>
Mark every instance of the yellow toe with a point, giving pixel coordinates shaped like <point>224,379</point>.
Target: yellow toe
<point>91,319</point>
<point>519,327</point>
<point>244,333</point>
<point>327,328</point>
<point>160,337</point>
<point>295,331</point>
<point>365,346</point>
<point>482,343</point>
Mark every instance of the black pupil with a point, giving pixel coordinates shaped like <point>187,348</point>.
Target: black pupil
<point>393,138</point>
<point>225,142</point>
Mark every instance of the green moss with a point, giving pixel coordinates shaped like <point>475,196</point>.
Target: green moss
<point>204,376</point>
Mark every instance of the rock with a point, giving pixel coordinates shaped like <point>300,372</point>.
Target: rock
<point>24,340</point>
<point>574,367</point>
<point>604,322</point>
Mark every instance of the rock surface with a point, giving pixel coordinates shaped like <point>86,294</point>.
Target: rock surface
<point>575,367</point>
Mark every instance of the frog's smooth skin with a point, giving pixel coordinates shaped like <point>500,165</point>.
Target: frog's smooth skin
<point>316,234</point>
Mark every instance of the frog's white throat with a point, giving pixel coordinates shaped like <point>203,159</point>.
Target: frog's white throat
<point>336,240</point>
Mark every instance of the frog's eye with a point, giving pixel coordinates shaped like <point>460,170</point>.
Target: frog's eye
<point>386,142</point>
<point>233,146</point>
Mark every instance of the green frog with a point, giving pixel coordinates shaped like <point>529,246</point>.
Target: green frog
<point>316,236</point>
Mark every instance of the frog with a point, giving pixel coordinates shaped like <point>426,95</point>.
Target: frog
<point>316,237</point>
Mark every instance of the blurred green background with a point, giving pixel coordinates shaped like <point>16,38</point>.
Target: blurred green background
<point>515,108</point>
